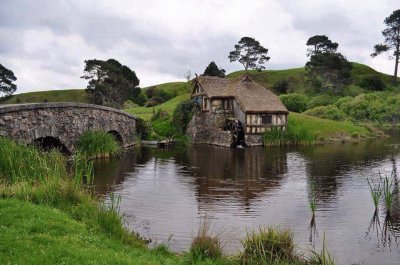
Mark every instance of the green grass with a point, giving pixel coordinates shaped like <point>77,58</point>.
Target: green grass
<point>69,95</point>
<point>147,112</point>
<point>97,144</point>
<point>37,234</point>
<point>327,130</point>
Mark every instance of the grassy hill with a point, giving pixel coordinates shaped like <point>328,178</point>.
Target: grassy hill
<point>69,95</point>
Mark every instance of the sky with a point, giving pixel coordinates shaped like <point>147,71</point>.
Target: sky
<point>45,42</point>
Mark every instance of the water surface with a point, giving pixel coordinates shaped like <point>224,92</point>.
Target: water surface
<point>168,193</point>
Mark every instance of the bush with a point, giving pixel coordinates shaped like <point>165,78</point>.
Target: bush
<point>321,100</point>
<point>352,91</point>
<point>140,99</point>
<point>129,104</point>
<point>343,100</point>
<point>294,102</point>
<point>182,115</point>
<point>281,86</point>
<point>372,82</point>
<point>330,112</point>
<point>142,128</point>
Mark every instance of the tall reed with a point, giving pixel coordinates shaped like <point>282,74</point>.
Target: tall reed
<point>321,258</point>
<point>97,144</point>
<point>205,245</point>
<point>388,193</point>
<point>295,134</point>
<point>376,192</point>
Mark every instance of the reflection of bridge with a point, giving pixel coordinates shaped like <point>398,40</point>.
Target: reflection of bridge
<point>61,124</point>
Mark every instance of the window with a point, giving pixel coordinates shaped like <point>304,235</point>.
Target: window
<point>266,119</point>
<point>205,103</point>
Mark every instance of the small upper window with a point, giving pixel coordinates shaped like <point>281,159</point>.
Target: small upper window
<point>266,119</point>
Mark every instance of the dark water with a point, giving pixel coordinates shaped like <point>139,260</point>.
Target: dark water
<point>169,192</point>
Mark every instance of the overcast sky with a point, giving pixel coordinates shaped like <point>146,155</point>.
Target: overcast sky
<point>45,43</point>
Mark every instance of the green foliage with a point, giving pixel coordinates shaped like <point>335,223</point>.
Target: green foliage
<point>270,245</point>
<point>392,40</point>
<point>295,134</point>
<point>161,124</point>
<point>213,70</point>
<point>129,104</point>
<point>322,258</point>
<point>282,86</point>
<point>372,82</point>
<point>321,100</point>
<point>294,102</point>
<point>376,192</point>
<point>143,129</point>
<point>7,79</point>
<point>250,53</point>
<point>321,44</point>
<point>352,91</point>
<point>97,144</point>
<point>41,166</point>
<point>182,115</point>
<point>69,95</point>
<point>109,82</point>
<point>330,112</point>
<point>388,193</point>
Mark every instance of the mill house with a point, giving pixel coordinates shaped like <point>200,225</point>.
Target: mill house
<point>234,111</point>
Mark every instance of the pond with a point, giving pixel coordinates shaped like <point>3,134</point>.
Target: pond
<point>166,194</point>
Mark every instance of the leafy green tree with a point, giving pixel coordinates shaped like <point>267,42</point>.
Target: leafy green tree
<point>213,70</point>
<point>250,53</point>
<point>319,44</point>
<point>327,69</point>
<point>392,39</point>
<point>7,78</point>
<point>110,82</point>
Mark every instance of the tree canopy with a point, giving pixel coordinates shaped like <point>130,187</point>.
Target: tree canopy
<point>110,82</point>
<point>328,70</point>
<point>321,43</point>
<point>7,79</point>
<point>213,70</point>
<point>250,53</point>
<point>392,39</point>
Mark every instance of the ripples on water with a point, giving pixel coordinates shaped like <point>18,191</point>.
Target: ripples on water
<point>169,192</point>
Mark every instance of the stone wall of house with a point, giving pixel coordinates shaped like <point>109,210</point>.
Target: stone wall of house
<point>253,139</point>
<point>205,128</point>
<point>64,121</point>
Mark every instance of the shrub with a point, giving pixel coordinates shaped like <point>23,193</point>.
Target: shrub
<point>321,100</point>
<point>343,100</point>
<point>294,102</point>
<point>330,112</point>
<point>352,91</point>
<point>129,104</point>
<point>182,115</point>
<point>281,86</point>
<point>140,99</point>
<point>372,82</point>
<point>269,245</point>
<point>142,128</point>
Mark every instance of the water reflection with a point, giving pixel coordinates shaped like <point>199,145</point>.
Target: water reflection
<point>167,192</point>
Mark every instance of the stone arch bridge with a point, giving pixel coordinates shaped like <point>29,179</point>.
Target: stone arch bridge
<point>61,124</point>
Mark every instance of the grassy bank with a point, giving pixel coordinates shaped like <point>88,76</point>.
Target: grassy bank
<point>307,130</point>
<point>147,112</point>
<point>97,144</point>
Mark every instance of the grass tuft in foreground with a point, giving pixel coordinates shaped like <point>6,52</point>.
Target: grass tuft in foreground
<point>205,245</point>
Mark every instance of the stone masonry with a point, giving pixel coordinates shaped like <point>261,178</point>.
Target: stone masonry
<point>64,121</point>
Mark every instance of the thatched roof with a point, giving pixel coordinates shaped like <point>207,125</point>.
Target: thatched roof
<point>251,96</point>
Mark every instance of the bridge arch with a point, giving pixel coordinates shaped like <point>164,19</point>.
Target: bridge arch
<point>55,123</point>
<point>48,142</point>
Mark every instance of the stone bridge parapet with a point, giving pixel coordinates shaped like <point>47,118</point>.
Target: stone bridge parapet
<point>65,122</point>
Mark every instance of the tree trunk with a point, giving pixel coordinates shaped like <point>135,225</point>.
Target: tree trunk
<point>396,66</point>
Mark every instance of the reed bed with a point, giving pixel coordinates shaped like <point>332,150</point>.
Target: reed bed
<point>97,144</point>
<point>388,193</point>
<point>376,192</point>
<point>28,174</point>
<point>294,135</point>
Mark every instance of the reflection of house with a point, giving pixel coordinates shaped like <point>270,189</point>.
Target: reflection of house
<point>234,111</point>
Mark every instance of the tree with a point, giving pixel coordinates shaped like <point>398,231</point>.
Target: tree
<point>392,39</point>
<point>328,70</point>
<point>110,82</point>
<point>213,70</point>
<point>7,77</point>
<point>250,53</point>
<point>321,43</point>
<point>187,75</point>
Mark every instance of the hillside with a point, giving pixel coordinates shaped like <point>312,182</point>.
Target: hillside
<point>68,95</point>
